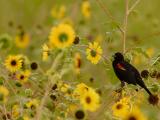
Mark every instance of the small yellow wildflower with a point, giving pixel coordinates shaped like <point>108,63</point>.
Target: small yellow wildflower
<point>86,9</point>
<point>13,63</point>
<point>64,88</point>
<point>15,111</point>
<point>94,52</point>
<point>135,114</point>
<point>150,52</point>
<point>90,100</point>
<point>32,104</point>
<point>45,53</point>
<point>22,40</point>
<point>77,63</point>
<point>62,36</point>
<point>23,76</point>
<point>58,13</point>
<point>80,89</point>
<point>121,107</point>
<point>3,93</point>
<point>25,117</point>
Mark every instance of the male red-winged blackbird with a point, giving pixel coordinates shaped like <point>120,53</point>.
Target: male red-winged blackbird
<point>127,73</point>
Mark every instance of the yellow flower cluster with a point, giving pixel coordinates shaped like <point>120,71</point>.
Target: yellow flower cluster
<point>122,109</point>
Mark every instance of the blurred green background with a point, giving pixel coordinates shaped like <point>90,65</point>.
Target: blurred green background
<point>143,28</point>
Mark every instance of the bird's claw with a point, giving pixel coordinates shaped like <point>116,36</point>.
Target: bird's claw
<point>119,90</point>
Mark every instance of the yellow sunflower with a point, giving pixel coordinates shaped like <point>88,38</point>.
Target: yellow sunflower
<point>64,87</point>
<point>32,104</point>
<point>3,93</point>
<point>25,117</point>
<point>13,63</point>
<point>86,9</point>
<point>77,63</point>
<point>121,107</point>
<point>80,90</point>
<point>45,53</point>
<point>62,36</point>
<point>22,40</point>
<point>94,52</point>
<point>90,100</point>
<point>135,114</point>
<point>15,111</point>
<point>23,76</point>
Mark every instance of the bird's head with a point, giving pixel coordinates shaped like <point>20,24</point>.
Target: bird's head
<point>118,56</point>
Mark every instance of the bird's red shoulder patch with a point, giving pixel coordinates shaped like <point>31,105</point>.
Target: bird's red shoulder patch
<point>120,66</point>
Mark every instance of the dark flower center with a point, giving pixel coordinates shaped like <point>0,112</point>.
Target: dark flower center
<point>22,77</point>
<point>33,107</point>
<point>13,62</point>
<point>53,97</point>
<point>132,118</point>
<point>78,63</point>
<point>63,37</point>
<point>93,53</point>
<point>119,106</point>
<point>79,114</point>
<point>76,40</point>
<point>54,87</point>
<point>34,66</point>
<point>88,100</point>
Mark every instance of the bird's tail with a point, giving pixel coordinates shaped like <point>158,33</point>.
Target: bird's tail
<point>142,84</point>
<point>148,90</point>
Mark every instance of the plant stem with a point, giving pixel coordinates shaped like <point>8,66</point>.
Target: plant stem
<point>48,85</point>
<point>125,25</point>
<point>108,13</point>
<point>133,6</point>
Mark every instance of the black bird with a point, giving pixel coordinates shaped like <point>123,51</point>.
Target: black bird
<point>127,73</point>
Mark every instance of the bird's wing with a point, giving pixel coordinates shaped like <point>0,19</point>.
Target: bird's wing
<point>131,74</point>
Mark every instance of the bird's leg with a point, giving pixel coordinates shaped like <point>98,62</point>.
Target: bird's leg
<point>122,84</point>
<point>121,88</point>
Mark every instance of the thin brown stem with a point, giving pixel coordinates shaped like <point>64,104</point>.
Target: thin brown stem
<point>108,13</point>
<point>48,86</point>
<point>40,108</point>
<point>125,25</point>
<point>133,6</point>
